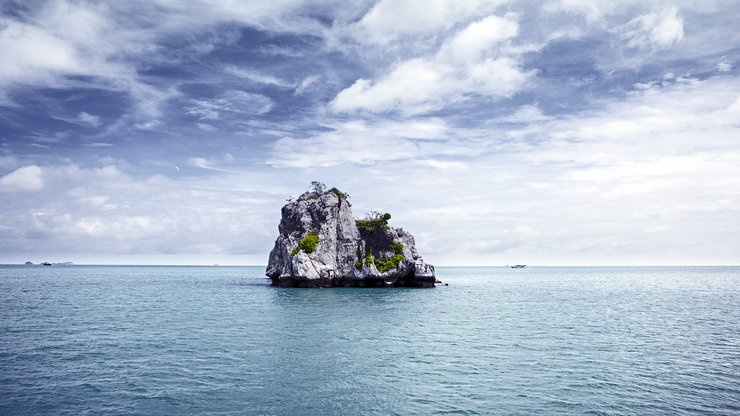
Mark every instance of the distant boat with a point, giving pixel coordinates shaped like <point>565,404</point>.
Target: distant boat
<point>46,263</point>
<point>519,266</point>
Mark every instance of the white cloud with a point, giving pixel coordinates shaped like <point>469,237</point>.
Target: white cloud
<point>466,64</point>
<point>148,99</point>
<point>234,102</point>
<point>89,212</point>
<point>306,84</point>
<point>650,174</point>
<point>88,119</point>
<point>82,119</point>
<point>147,125</point>
<point>33,53</point>
<point>102,45</point>
<point>64,44</point>
<point>724,65</point>
<point>85,38</point>
<point>622,184</point>
<point>412,86</point>
<point>649,179</point>
<point>439,164</point>
<point>207,127</point>
<point>475,41</point>
<point>258,77</point>
<point>655,30</point>
<point>279,15</point>
<point>367,143</point>
<point>222,164</point>
<point>64,38</point>
<point>389,20</point>
<point>734,108</point>
<point>525,114</point>
<point>207,164</point>
<point>591,11</point>
<point>27,178</point>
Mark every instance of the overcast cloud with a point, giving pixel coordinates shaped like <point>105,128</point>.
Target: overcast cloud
<point>497,132</point>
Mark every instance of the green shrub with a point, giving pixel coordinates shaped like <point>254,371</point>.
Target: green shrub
<point>307,243</point>
<point>385,265</point>
<point>317,187</point>
<point>358,265</point>
<point>374,230</point>
<point>363,225</point>
<point>397,248</point>
<point>341,195</point>
<point>373,223</point>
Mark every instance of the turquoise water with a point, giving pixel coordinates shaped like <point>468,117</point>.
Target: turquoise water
<point>220,340</point>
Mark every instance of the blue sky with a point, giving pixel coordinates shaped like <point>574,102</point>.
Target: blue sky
<point>498,132</point>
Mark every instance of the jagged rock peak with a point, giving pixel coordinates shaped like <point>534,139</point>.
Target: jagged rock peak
<point>321,244</point>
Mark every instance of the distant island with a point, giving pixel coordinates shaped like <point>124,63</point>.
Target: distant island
<point>321,244</point>
<point>46,263</point>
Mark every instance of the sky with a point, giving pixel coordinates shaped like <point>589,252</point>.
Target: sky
<point>555,132</point>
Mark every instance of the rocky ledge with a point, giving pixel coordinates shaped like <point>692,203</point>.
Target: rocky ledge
<point>322,245</point>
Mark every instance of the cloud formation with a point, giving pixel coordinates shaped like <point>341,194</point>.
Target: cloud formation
<point>390,21</point>
<point>474,61</point>
<point>27,178</point>
<point>561,132</point>
<point>239,102</point>
<point>654,30</point>
<point>103,210</point>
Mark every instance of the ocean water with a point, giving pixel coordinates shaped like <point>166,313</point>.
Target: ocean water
<point>95,340</point>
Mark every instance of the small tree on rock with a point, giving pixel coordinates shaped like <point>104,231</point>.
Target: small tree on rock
<point>318,187</point>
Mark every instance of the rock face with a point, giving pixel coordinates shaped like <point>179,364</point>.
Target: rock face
<point>373,255</point>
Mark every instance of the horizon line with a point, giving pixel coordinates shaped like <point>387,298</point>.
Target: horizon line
<point>61,264</point>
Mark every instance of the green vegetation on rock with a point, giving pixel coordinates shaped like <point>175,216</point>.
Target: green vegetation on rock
<point>317,187</point>
<point>358,263</point>
<point>374,230</point>
<point>369,259</point>
<point>307,244</point>
<point>392,263</point>
<point>373,222</point>
<point>384,265</point>
<point>341,195</point>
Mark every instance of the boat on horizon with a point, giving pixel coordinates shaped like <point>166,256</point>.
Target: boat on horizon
<point>518,266</point>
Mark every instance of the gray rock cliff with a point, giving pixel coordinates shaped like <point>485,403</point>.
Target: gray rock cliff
<point>321,245</point>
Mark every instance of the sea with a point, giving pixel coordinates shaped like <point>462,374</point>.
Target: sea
<point>146,340</point>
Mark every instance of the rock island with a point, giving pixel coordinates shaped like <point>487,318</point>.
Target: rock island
<point>321,244</point>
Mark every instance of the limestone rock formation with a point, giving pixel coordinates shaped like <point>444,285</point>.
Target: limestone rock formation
<point>322,245</point>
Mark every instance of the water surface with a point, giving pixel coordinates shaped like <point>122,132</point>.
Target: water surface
<point>220,340</point>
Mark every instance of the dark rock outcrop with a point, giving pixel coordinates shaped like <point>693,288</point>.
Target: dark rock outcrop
<point>320,245</point>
